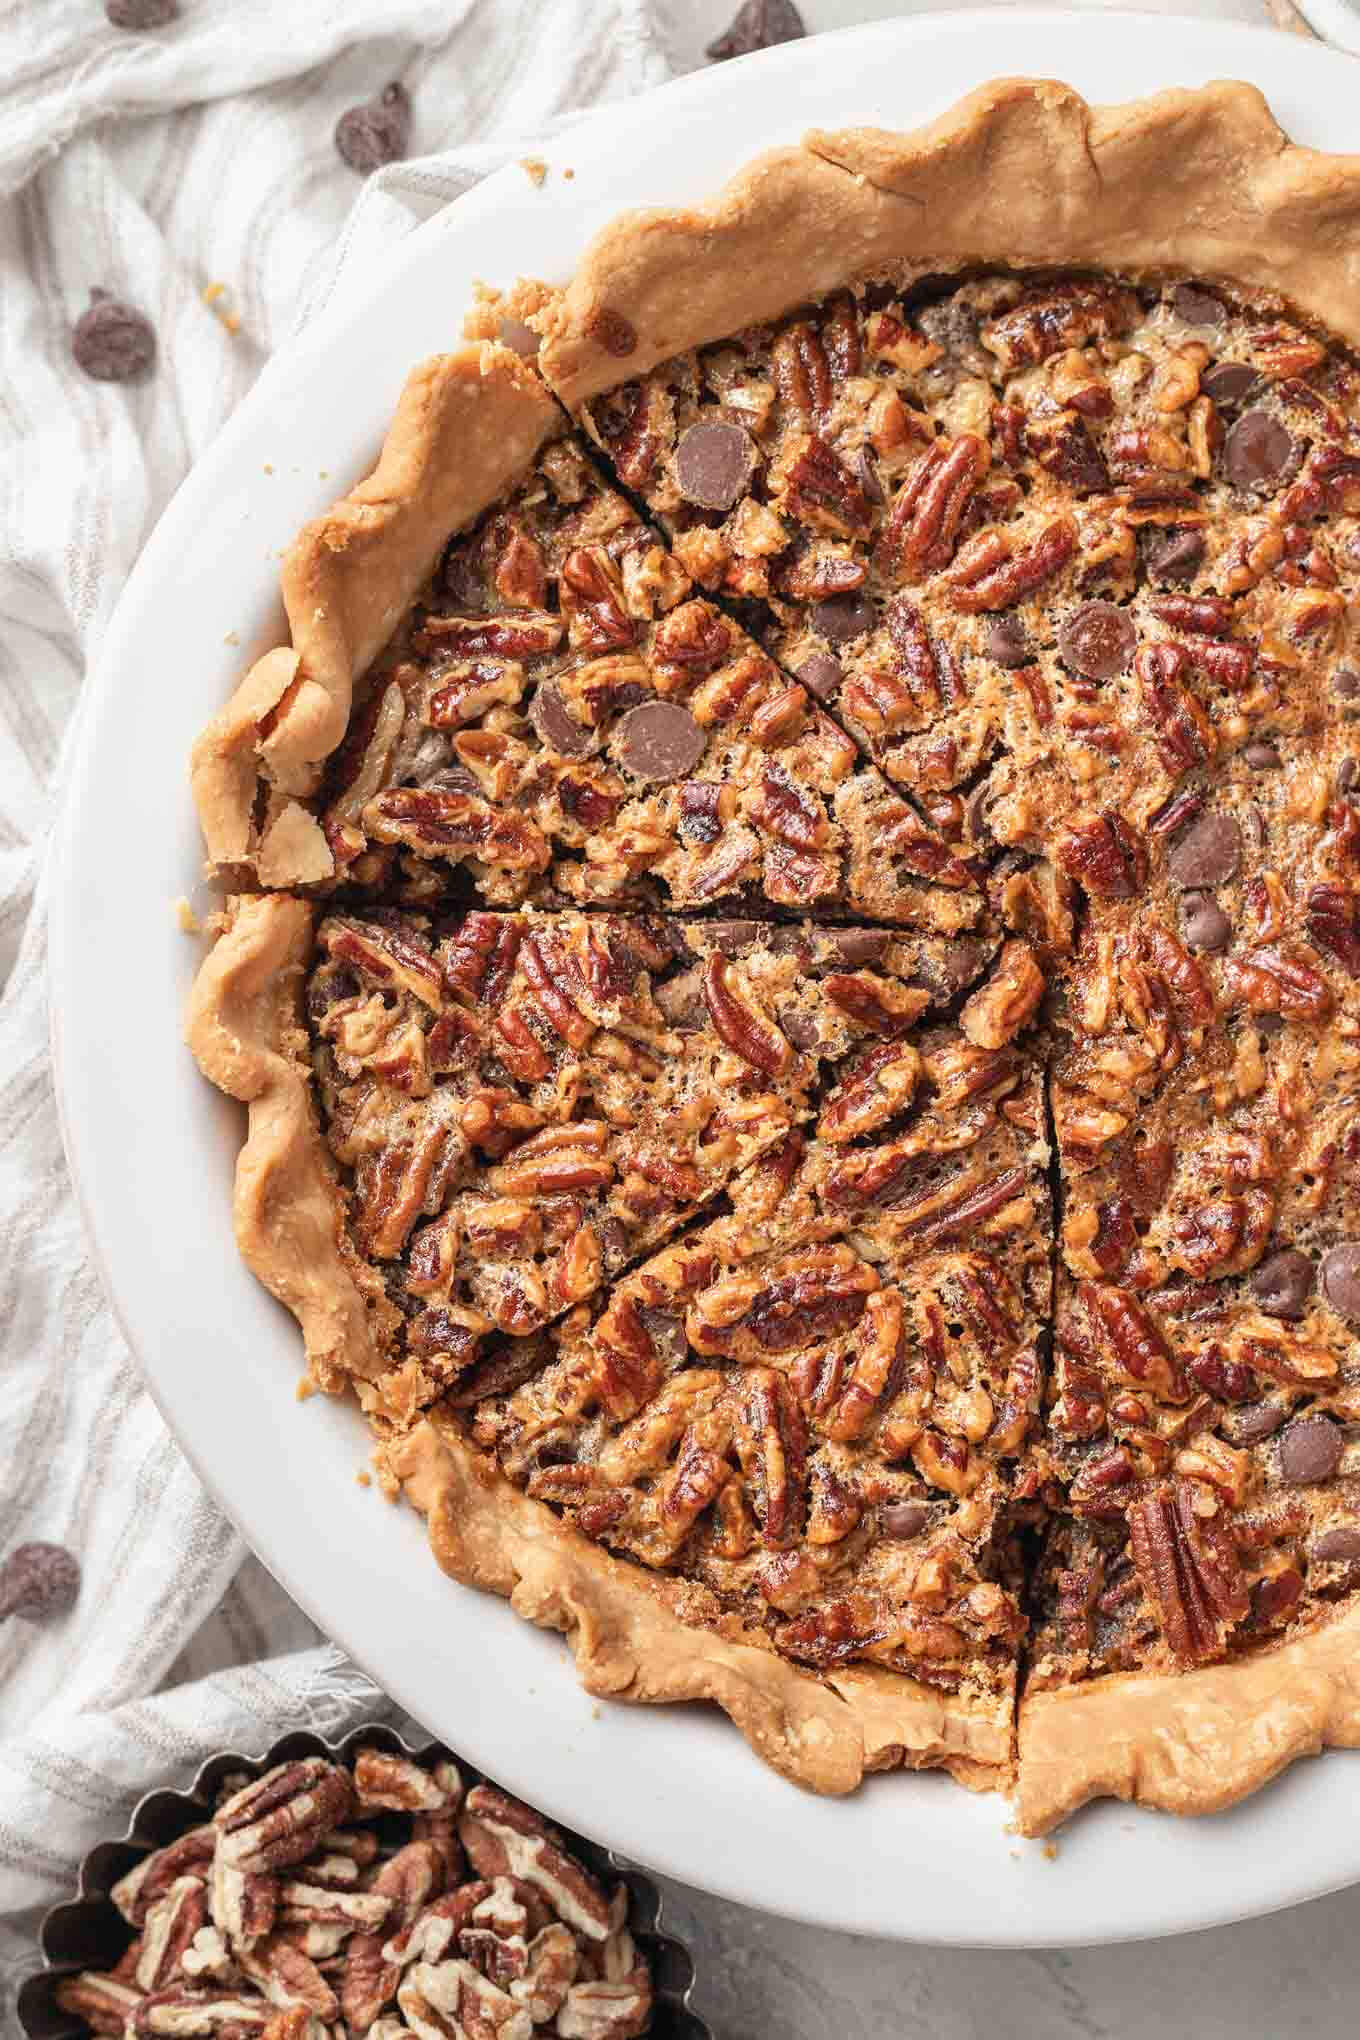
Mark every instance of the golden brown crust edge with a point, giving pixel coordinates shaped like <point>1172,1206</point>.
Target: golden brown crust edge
<point>1193,1743</point>
<point>631,1640</point>
<point>243,1027</point>
<point>466,426</point>
<point>1021,173</point>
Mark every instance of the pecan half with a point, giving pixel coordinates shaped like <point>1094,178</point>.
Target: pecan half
<point>504,1838</point>
<point>741,1025</point>
<point>278,1819</point>
<point>1189,1569</point>
<point>1008,1001</point>
<point>922,528</point>
<point>1106,855</point>
<point>989,574</point>
<point>1334,924</point>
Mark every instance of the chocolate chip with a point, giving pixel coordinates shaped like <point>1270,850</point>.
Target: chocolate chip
<point>1257,451</point>
<point>1347,777</point>
<point>682,1000</point>
<point>1098,640</point>
<point>377,131</point>
<point>111,341</point>
<point>142,14</point>
<point>557,726</point>
<point>866,473</point>
<point>1337,1544</point>
<point>666,1330</point>
<point>1268,1025</point>
<point>1346,684</point>
<point>1006,641</point>
<point>1209,852</point>
<point>842,617</point>
<point>757,25</point>
<point>1283,1283</point>
<point>1197,307</point>
<point>38,1580</point>
<point>904,1519</point>
<point>962,961</point>
<point>1250,1425</point>
<point>520,338</point>
<point>821,674</point>
<point>1174,555</point>
<point>1339,1276</point>
<point>801,1028</point>
<point>1229,383</point>
<point>713,463</point>
<point>1204,923</point>
<point>1262,755</point>
<point>659,741</point>
<point>728,938</point>
<point>1310,1449</point>
<point>856,946</point>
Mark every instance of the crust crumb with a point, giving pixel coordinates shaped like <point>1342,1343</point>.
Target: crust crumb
<point>189,923</point>
<point>534,168</point>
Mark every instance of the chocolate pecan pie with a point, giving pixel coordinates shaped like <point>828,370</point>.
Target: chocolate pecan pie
<point>794,951</point>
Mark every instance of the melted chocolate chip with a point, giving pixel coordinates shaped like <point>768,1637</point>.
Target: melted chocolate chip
<point>821,674</point>
<point>659,741</point>
<point>1203,923</point>
<point>557,726</point>
<point>713,463</point>
<point>758,25</point>
<point>1006,641</point>
<point>1339,1544</point>
<point>842,617</point>
<point>1197,307</point>
<point>666,1330</point>
<point>1339,1279</point>
<point>1209,852</point>
<point>904,1519</point>
<point>1347,777</point>
<point>111,341</point>
<point>1262,755</point>
<point>1174,555</point>
<point>728,938</point>
<point>1258,451</point>
<point>38,1580</point>
<point>1310,1449</point>
<point>377,131</point>
<point>1248,1426</point>
<point>1283,1283</point>
<point>142,14</point>
<point>801,1028</point>
<point>856,946</point>
<point>866,474</point>
<point>1229,383</point>
<point>1098,640</point>
<point>1346,684</point>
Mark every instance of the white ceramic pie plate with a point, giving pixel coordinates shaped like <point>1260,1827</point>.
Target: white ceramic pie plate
<point>151,1146</point>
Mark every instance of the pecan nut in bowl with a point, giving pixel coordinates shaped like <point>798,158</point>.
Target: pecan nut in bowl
<point>390,1892</point>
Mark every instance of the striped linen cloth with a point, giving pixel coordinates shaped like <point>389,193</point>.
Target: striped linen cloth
<point>151,166</point>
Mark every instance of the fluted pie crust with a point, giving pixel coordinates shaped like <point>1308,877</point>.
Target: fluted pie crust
<point>1021,174</point>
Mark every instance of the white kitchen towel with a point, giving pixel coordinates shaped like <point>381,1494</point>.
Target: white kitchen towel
<point>160,167</point>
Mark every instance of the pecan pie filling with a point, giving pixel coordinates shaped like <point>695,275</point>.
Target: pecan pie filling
<point>834,1020</point>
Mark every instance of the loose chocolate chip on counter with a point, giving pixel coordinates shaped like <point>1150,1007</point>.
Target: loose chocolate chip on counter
<point>1262,755</point>
<point>1204,923</point>
<point>821,674</point>
<point>1310,1449</point>
<point>1339,1277</point>
<point>1229,383</point>
<point>1283,1283</point>
<point>556,725</point>
<point>38,1580</point>
<point>758,25</point>
<point>1097,640</point>
<point>842,617</point>
<point>142,14</point>
<point>659,741</point>
<point>111,341</point>
<point>904,1519</point>
<point>1197,307</point>
<point>714,462</point>
<point>377,131</point>
<point>1174,555</point>
<point>856,946</point>
<point>1337,1544</point>
<point>1258,451</point>
<point>1006,641</point>
<point>1209,852</point>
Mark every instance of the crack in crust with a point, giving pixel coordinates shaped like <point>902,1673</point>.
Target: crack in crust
<point>243,1027</point>
<point>643,1639</point>
<point>1021,173</point>
<point>466,426</point>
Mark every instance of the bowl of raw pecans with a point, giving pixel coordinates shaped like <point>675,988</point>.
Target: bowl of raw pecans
<point>366,1888</point>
